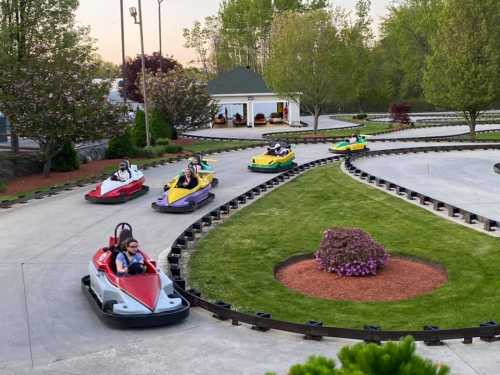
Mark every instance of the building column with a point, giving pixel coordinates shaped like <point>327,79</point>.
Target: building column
<point>250,114</point>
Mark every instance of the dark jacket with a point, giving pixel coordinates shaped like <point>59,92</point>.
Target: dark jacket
<point>193,182</point>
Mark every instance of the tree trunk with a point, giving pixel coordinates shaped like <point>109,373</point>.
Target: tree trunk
<point>471,117</point>
<point>14,141</point>
<point>46,167</point>
<point>316,122</point>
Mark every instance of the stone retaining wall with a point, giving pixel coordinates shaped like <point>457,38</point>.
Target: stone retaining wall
<point>23,164</point>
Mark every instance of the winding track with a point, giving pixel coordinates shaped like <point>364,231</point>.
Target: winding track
<point>437,131</point>
<point>48,327</point>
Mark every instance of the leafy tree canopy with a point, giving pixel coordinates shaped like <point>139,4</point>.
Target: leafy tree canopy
<point>180,99</point>
<point>54,98</point>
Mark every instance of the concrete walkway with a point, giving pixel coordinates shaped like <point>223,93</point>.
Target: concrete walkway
<point>325,122</point>
<point>48,326</point>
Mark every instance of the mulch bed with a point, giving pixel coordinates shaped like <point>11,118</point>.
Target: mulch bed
<point>38,181</point>
<point>183,141</point>
<point>400,279</point>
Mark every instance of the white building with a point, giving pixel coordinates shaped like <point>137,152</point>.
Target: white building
<point>242,91</point>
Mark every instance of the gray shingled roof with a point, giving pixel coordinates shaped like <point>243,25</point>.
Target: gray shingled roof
<point>238,81</point>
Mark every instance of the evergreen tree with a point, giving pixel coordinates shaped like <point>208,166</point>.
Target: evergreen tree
<point>66,160</point>
<point>138,132</point>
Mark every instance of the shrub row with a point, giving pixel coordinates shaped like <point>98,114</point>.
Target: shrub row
<point>388,359</point>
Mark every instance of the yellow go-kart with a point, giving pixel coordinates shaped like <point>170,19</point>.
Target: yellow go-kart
<point>346,146</point>
<point>273,162</point>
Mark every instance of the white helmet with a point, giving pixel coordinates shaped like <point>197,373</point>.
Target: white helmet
<point>277,145</point>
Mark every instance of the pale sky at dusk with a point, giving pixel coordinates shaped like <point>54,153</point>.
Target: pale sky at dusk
<point>103,16</point>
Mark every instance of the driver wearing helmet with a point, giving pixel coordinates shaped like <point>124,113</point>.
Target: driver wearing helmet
<point>123,174</point>
<point>279,150</point>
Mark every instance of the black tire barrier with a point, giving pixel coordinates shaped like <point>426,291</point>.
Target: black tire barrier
<point>313,330</point>
<point>489,225</point>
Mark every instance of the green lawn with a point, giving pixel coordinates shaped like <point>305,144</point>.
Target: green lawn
<point>495,136</point>
<point>370,127</point>
<point>235,261</point>
<point>210,146</point>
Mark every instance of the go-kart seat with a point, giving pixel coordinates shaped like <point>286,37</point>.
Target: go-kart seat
<point>113,259</point>
<point>125,234</point>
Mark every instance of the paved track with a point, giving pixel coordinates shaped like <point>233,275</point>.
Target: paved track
<point>462,178</point>
<point>48,327</point>
<point>438,131</point>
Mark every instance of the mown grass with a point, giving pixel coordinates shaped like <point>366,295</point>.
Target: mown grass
<point>235,262</point>
<point>211,146</point>
<point>494,136</point>
<point>369,127</point>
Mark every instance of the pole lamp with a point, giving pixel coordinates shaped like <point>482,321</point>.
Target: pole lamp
<point>133,13</point>
<point>124,71</point>
<point>159,33</point>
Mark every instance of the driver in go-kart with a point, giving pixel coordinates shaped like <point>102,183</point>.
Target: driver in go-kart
<point>353,139</point>
<point>278,150</point>
<point>195,164</point>
<point>123,174</point>
<point>188,180</point>
<point>130,262</point>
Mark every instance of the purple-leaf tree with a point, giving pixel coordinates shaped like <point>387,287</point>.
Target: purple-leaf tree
<point>399,112</point>
<point>350,252</point>
<point>133,70</point>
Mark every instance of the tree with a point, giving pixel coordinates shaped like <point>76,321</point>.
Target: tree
<point>198,38</point>
<point>305,61</point>
<point>463,69</point>
<point>133,70</point>
<point>24,25</point>
<point>358,38</point>
<point>240,34</point>
<point>138,132</point>
<point>106,69</point>
<point>406,36</point>
<point>54,99</point>
<point>181,100</point>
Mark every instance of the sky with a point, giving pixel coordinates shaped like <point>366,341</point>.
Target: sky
<point>103,17</point>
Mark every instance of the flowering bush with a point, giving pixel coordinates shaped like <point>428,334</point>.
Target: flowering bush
<point>350,252</point>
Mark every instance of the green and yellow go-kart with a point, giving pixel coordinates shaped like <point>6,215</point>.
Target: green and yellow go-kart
<point>272,163</point>
<point>346,147</point>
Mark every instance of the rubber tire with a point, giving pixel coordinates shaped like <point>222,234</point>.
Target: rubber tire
<point>108,305</point>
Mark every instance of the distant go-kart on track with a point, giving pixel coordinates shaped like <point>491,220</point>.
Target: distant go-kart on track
<point>53,327</point>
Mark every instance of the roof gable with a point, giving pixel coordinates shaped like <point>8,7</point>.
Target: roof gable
<point>238,81</point>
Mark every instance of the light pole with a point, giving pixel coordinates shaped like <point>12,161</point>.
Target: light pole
<point>159,32</point>
<point>133,13</point>
<point>124,72</point>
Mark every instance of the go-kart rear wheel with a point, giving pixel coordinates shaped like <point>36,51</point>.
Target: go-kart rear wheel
<point>215,182</point>
<point>108,305</point>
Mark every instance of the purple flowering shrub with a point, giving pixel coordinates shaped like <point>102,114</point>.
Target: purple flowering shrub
<point>350,252</point>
